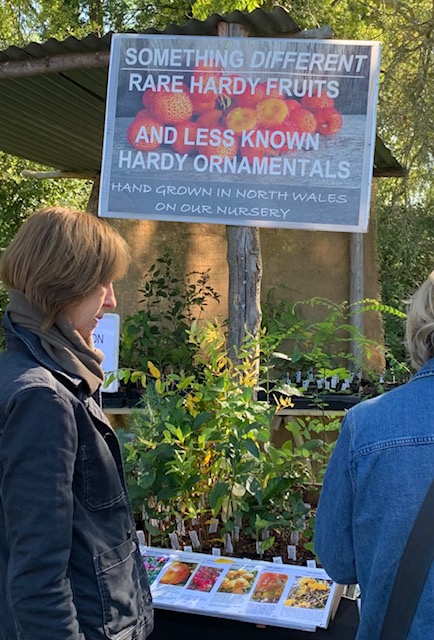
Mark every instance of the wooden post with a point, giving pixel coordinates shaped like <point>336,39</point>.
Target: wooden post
<point>356,292</point>
<point>245,265</point>
<point>92,203</point>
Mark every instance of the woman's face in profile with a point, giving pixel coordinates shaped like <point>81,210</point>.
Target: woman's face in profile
<point>84,316</point>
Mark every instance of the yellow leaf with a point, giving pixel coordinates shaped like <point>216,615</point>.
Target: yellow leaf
<point>159,386</point>
<point>153,370</point>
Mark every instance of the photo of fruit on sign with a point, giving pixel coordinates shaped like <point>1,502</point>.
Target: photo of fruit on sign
<point>212,117</point>
<point>270,587</point>
<point>178,573</point>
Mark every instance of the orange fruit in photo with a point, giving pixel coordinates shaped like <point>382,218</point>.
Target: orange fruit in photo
<point>141,133</point>
<point>304,119</point>
<point>171,107</point>
<point>186,134</point>
<point>329,121</point>
<point>241,119</point>
<point>177,573</point>
<point>271,111</point>
<point>317,102</point>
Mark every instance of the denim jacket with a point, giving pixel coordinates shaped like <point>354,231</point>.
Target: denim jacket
<point>377,478</point>
<point>70,567</point>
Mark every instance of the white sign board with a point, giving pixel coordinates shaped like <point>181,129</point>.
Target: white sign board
<point>106,338</point>
<point>245,131</point>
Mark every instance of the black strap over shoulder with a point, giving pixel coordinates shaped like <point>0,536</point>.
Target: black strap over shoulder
<point>412,573</point>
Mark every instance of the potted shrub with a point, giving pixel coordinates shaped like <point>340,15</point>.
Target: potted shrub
<point>199,452</point>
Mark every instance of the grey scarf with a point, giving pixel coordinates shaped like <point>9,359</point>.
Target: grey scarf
<point>61,342</point>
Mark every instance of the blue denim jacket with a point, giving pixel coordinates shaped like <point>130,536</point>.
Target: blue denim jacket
<point>377,478</point>
<point>70,568</point>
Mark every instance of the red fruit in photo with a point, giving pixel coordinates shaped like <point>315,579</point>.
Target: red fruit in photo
<point>228,91</point>
<point>247,99</point>
<point>142,134</point>
<point>171,107</point>
<point>202,102</point>
<point>221,149</point>
<point>293,136</point>
<point>261,148</point>
<point>211,119</point>
<point>292,105</point>
<point>203,70</point>
<point>271,150</point>
<point>304,119</point>
<point>201,75</point>
<point>185,135</point>
<point>329,121</point>
<point>147,99</point>
<point>312,103</point>
<point>252,152</point>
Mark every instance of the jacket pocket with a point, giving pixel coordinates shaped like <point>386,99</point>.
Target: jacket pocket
<point>102,485</point>
<point>125,596</point>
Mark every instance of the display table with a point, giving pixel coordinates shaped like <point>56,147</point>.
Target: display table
<point>188,626</point>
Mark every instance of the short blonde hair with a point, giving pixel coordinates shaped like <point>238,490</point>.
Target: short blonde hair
<point>419,336</point>
<point>59,256</point>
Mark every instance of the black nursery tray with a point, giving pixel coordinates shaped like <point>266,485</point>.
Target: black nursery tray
<point>327,401</point>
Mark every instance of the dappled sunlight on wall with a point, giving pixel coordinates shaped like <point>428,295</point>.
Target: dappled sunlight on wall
<point>207,250</point>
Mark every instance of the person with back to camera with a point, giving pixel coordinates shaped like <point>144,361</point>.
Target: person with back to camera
<point>377,479</point>
<point>70,567</point>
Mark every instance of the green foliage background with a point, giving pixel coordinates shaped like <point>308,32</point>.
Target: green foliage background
<point>19,196</point>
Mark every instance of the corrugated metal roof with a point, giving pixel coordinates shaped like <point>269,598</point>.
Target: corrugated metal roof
<point>57,118</point>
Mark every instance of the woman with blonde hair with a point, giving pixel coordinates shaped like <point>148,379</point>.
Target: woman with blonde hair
<point>70,567</point>
<point>376,482</point>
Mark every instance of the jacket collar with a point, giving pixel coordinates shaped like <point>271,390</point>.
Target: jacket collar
<point>426,370</point>
<point>18,337</point>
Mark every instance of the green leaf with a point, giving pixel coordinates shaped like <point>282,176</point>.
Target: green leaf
<point>219,490</point>
<point>252,447</point>
<point>201,418</point>
<point>153,530</point>
<point>266,544</point>
<point>163,451</point>
<point>167,493</point>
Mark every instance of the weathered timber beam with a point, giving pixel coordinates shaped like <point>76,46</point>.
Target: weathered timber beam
<point>54,64</point>
<point>42,175</point>
<point>321,33</point>
<point>390,173</point>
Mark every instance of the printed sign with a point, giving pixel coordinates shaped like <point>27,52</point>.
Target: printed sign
<point>245,131</point>
<point>248,590</point>
<point>106,338</point>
